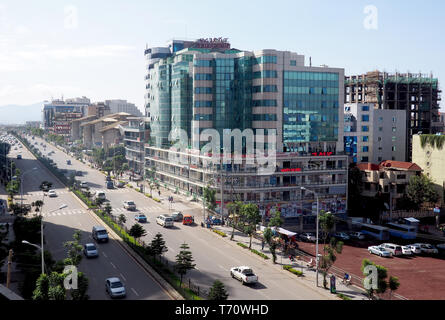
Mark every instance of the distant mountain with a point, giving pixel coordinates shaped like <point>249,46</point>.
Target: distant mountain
<point>19,114</point>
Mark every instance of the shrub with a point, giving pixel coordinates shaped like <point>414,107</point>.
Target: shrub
<point>242,245</point>
<point>342,296</point>
<point>222,234</point>
<point>294,271</point>
<point>262,255</point>
<point>156,199</point>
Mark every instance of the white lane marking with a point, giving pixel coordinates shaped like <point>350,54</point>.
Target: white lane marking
<point>64,213</point>
<point>123,277</point>
<point>59,214</point>
<point>113,265</point>
<point>135,292</point>
<point>104,255</point>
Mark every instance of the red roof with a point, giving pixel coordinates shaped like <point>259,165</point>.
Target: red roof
<point>399,165</point>
<point>368,166</point>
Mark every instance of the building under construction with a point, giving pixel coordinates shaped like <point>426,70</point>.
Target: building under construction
<point>418,94</point>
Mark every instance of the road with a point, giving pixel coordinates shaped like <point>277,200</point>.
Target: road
<point>60,225</point>
<point>213,256</point>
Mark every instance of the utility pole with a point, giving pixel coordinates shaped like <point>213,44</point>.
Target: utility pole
<point>8,278</point>
<point>222,190</point>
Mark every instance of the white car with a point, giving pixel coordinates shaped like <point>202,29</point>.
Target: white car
<point>129,205</point>
<point>406,251</point>
<point>380,251</point>
<point>244,274</point>
<point>115,288</point>
<point>357,235</point>
<point>84,184</point>
<point>164,220</point>
<point>90,250</point>
<point>52,193</point>
<point>427,248</point>
<point>415,248</point>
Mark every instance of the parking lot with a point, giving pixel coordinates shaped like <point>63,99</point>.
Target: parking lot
<point>421,277</point>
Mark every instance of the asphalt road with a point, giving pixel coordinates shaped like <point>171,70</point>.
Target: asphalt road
<point>60,225</point>
<point>213,256</point>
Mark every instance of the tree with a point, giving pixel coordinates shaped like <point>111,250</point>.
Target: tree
<point>393,284</point>
<point>420,190</point>
<point>327,223</point>
<point>74,249</point>
<point>42,287</point>
<point>82,287</point>
<point>209,198</point>
<point>108,209</point>
<point>218,291</point>
<point>268,237</point>
<point>108,166</point>
<point>38,204</point>
<point>49,287</point>
<point>355,187</point>
<point>234,209</point>
<point>122,219</point>
<point>137,231</point>
<point>250,215</point>
<point>276,220</point>
<point>184,261</point>
<point>12,188</point>
<point>158,246</point>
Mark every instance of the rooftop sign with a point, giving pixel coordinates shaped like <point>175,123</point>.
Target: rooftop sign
<point>212,43</point>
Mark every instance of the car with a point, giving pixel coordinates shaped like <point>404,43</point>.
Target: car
<point>427,248</point>
<point>415,248</point>
<point>109,184</point>
<point>90,250</point>
<point>120,184</point>
<point>129,205</point>
<point>341,236</point>
<point>244,274</point>
<point>307,236</point>
<point>78,173</point>
<point>68,162</point>
<point>100,194</point>
<point>188,220</point>
<point>215,221</point>
<point>177,216</point>
<point>164,220</point>
<point>19,157</point>
<point>380,251</point>
<point>100,234</point>
<point>140,218</point>
<point>52,193</point>
<point>84,184</point>
<point>406,251</point>
<point>357,235</point>
<point>395,249</point>
<point>115,288</point>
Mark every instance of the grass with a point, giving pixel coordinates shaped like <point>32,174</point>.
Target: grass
<point>222,234</point>
<point>292,270</point>
<point>242,245</point>
<point>262,255</point>
<point>342,296</point>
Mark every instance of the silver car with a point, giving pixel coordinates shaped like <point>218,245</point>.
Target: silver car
<point>115,288</point>
<point>90,250</point>
<point>380,251</point>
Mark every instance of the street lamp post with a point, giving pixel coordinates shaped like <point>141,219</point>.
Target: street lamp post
<point>316,240</point>
<point>21,185</point>
<point>41,237</point>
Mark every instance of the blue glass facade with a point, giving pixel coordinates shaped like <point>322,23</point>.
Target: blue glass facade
<point>351,147</point>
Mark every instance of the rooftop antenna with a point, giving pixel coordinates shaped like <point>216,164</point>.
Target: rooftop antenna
<point>310,61</point>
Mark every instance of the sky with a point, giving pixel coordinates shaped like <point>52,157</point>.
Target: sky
<point>55,48</point>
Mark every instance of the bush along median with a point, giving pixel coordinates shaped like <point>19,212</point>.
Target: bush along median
<point>293,270</point>
<point>222,234</point>
<point>262,255</point>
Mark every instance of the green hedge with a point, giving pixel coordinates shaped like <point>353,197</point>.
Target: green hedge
<point>242,245</point>
<point>294,271</point>
<point>262,255</point>
<point>222,234</point>
<point>342,296</point>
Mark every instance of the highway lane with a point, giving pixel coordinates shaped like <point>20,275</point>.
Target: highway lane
<point>214,257</point>
<point>60,226</point>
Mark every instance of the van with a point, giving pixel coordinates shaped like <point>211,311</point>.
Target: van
<point>395,249</point>
<point>110,185</point>
<point>100,195</point>
<point>165,220</point>
<point>100,234</point>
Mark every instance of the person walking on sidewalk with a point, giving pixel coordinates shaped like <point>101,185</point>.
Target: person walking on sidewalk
<point>262,244</point>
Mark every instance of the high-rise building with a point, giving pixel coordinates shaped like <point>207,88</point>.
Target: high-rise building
<point>374,135</point>
<point>417,94</point>
<point>117,106</point>
<point>206,84</point>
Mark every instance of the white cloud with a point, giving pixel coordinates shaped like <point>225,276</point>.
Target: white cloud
<point>13,94</point>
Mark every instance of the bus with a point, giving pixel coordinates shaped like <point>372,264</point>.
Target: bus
<point>377,232</point>
<point>403,231</point>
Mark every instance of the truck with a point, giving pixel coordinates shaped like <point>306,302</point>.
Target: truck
<point>244,274</point>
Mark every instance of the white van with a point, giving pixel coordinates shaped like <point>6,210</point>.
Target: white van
<point>395,249</point>
<point>100,234</point>
<point>165,220</point>
<point>100,194</point>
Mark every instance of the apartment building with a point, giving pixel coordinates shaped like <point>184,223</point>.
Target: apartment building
<point>136,133</point>
<point>206,84</point>
<point>117,106</point>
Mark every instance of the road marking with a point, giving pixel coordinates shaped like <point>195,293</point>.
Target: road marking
<point>59,214</point>
<point>135,292</point>
<point>104,255</point>
<point>113,265</point>
<point>123,277</point>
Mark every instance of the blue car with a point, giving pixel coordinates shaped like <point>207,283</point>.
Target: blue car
<point>140,218</point>
<point>215,221</point>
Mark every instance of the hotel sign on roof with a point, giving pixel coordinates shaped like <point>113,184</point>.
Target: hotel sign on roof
<point>212,43</point>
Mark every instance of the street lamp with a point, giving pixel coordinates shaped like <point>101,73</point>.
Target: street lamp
<point>316,240</point>
<point>41,237</point>
<point>21,185</point>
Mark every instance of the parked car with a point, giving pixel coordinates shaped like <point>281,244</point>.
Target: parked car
<point>357,235</point>
<point>19,156</point>
<point>395,249</point>
<point>164,220</point>
<point>341,236</point>
<point>52,193</point>
<point>415,248</point>
<point>115,288</point>
<point>307,237</point>
<point>129,205</point>
<point>100,195</point>
<point>120,184</point>
<point>244,274</point>
<point>427,248</point>
<point>109,184</point>
<point>406,251</point>
<point>380,251</point>
<point>78,173</point>
<point>90,250</point>
<point>99,234</point>
<point>215,221</point>
<point>177,216</point>
<point>140,218</point>
<point>188,220</point>
<point>84,184</point>
<point>68,162</point>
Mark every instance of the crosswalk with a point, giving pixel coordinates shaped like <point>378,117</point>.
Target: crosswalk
<point>154,208</point>
<point>63,213</point>
<point>116,190</point>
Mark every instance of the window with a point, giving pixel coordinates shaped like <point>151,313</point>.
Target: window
<point>365,138</point>
<point>380,119</point>
<point>203,76</point>
<point>365,159</point>
<point>401,176</point>
<point>365,108</point>
<point>264,117</point>
<point>203,117</point>
<point>264,103</point>
<point>393,148</point>
<point>393,138</point>
<point>293,62</point>
<point>365,149</point>
<point>266,59</point>
<point>365,118</point>
<point>379,139</point>
<point>203,63</point>
<point>394,119</point>
<point>365,128</point>
<point>394,129</point>
<point>347,108</point>
<point>203,104</point>
<point>265,74</point>
<point>380,128</point>
<point>379,159</point>
<point>203,90</point>
<point>270,88</point>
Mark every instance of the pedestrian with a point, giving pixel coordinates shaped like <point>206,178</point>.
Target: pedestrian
<point>159,192</point>
<point>262,244</point>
